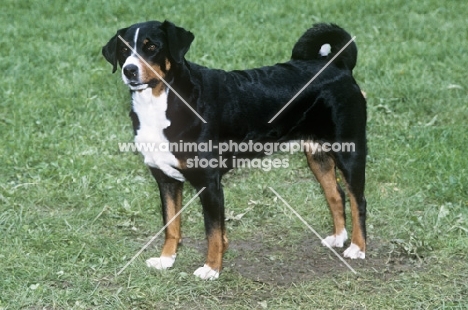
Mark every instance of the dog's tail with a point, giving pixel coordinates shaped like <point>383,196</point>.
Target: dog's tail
<point>323,41</point>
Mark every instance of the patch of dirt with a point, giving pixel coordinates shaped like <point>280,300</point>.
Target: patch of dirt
<point>282,265</point>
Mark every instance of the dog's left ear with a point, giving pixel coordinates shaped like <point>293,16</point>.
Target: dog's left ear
<point>178,39</point>
<point>110,52</point>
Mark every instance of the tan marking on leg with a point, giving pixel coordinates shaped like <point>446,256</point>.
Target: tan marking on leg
<point>357,236</point>
<point>173,235</point>
<point>217,245</point>
<point>325,174</point>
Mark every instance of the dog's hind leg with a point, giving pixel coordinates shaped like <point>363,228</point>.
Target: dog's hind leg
<point>171,198</point>
<point>352,166</point>
<point>323,167</point>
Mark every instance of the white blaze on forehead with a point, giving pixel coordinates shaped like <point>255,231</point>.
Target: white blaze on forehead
<point>133,60</point>
<point>135,39</point>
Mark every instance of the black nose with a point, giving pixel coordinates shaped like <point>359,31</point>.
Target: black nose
<point>130,71</point>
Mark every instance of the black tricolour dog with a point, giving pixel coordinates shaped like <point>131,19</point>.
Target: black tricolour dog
<point>177,101</point>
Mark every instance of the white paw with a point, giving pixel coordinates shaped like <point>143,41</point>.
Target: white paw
<point>336,241</point>
<point>354,252</point>
<point>162,262</point>
<point>206,273</point>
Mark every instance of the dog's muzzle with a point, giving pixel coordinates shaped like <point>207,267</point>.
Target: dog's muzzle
<point>131,77</point>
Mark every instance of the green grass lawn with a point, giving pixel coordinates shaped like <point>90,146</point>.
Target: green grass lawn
<point>74,210</point>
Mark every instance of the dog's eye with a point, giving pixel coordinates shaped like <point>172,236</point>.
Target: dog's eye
<point>124,50</point>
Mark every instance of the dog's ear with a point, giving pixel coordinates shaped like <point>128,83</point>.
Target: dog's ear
<point>110,52</point>
<point>178,39</point>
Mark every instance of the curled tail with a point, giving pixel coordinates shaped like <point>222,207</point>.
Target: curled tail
<point>323,41</point>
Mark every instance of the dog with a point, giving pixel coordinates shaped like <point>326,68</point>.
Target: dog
<point>178,101</point>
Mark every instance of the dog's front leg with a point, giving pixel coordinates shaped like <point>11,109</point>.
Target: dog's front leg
<point>171,198</point>
<point>212,200</point>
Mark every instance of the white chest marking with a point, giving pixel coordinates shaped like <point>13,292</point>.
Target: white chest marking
<point>150,138</point>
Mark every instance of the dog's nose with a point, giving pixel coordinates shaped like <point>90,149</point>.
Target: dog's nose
<point>130,71</point>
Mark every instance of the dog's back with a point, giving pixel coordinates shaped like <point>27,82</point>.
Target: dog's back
<point>248,99</point>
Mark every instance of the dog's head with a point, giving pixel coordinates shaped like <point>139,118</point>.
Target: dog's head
<point>147,51</point>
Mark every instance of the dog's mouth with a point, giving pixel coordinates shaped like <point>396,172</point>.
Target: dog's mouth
<point>141,86</point>
<point>137,86</point>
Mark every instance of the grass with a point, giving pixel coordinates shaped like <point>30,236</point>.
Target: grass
<point>73,210</point>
